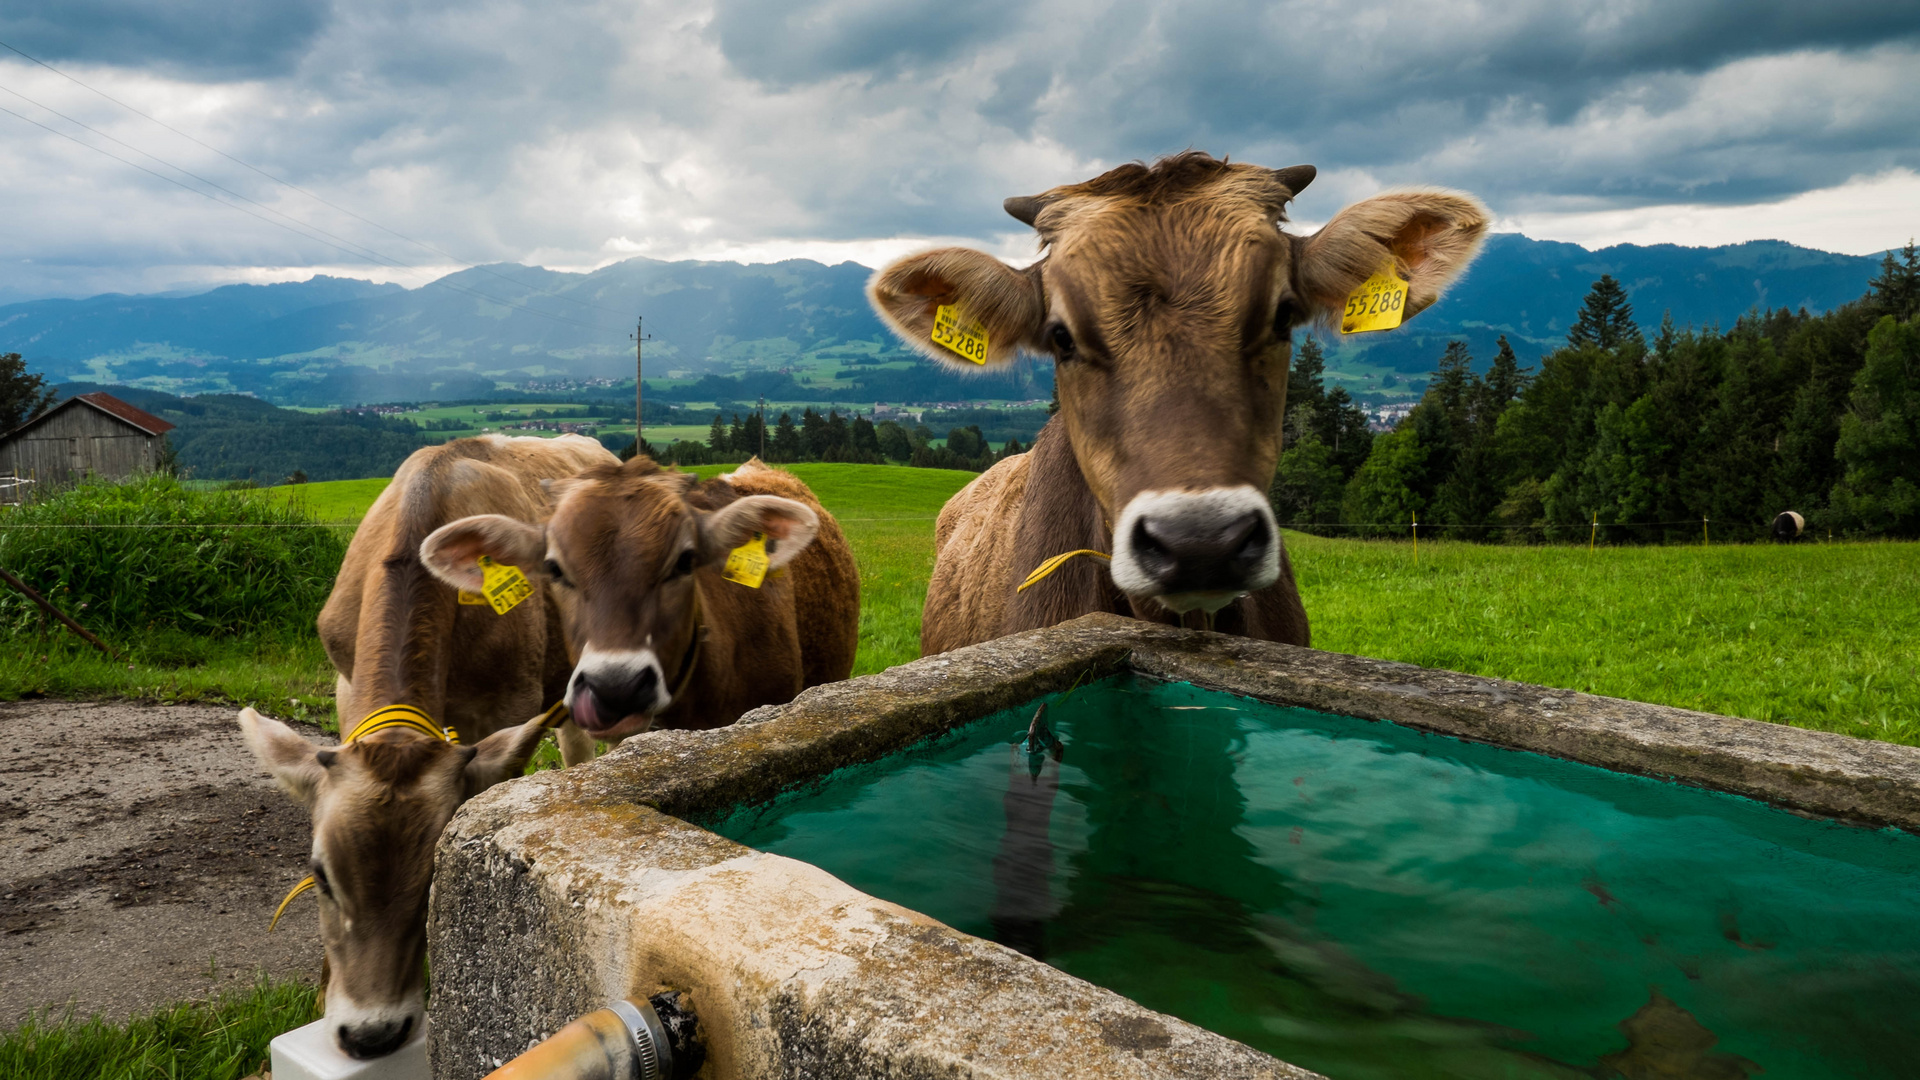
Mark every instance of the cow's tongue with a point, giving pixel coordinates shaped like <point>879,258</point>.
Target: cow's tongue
<point>590,713</point>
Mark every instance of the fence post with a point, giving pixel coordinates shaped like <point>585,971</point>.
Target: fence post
<point>1703,531</point>
<point>1416,536</point>
<point>1595,534</point>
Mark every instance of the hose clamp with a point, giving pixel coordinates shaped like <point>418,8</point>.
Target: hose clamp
<point>652,1054</point>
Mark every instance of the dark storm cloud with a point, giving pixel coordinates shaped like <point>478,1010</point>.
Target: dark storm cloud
<point>194,38</point>
<point>785,43</point>
<point>573,131</point>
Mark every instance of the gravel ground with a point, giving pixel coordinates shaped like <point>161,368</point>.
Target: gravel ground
<point>142,851</point>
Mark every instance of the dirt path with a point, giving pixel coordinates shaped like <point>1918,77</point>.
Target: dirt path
<point>142,852</point>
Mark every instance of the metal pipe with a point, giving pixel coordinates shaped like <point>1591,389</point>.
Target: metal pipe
<point>627,1040</point>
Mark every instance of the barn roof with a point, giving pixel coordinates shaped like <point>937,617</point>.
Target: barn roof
<point>139,418</point>
<point>102,402</point>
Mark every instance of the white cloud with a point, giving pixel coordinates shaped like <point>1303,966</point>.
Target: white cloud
<point>575,133</point>
<point>1861,217</point>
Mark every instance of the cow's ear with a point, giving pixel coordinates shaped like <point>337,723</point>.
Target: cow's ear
<point>502,755</point>
<point>1431,234</point>
<point>452,551</point>
<point>283,752</point>
<point>1008,304</point>
<point>788,525</point>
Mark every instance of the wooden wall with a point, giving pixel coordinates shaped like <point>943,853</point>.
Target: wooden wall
<point>80,440</point>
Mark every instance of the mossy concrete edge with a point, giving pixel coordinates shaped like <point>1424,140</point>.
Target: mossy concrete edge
<point>560,891</point>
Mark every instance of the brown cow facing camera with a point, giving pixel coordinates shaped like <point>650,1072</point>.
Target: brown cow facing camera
<point>633,557</point>
<point>1166,297</point>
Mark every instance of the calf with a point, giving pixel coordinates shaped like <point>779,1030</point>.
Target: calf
<point>1167,299</point>
<point>419,672</point>
<point>634,557</point>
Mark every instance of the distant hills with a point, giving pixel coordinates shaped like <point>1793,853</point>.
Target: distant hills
<point>795,330</point>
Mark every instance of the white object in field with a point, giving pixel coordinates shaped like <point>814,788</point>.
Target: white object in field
<point>309,1053</point>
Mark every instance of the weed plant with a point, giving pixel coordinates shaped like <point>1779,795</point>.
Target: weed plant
<point>223,1039</point>
<point>151,555</point>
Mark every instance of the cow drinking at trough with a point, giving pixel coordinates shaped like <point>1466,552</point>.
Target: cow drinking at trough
<point>1167,298</point>
<point>635,559</point>
<point>424,683</point>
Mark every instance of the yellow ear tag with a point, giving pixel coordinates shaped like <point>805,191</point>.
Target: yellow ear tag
<point>504,586</point>
<point>471,598</point>
<point>959,334</point>
<point>1380,303</point>
<point>747,564</point>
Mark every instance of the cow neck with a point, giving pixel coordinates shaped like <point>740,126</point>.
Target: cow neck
<point>406,627</point>
<point>690,659</point>
<point>1058,515</point>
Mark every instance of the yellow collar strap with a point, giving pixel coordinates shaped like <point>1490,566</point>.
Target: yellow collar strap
<point>402,716</point>
<point>1040,572</point>
<point>555,715</point>
<point>408,717</point>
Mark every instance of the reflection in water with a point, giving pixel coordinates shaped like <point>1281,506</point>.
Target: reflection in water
<point>1368,901</point>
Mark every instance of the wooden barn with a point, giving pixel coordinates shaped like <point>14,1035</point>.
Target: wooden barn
<point>93,434</point>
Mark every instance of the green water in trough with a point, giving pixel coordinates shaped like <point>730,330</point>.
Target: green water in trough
<point>1369,901</point>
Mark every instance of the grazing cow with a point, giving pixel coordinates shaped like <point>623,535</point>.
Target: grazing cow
<point>1788,526</point>
<point>1167,299</point>
<point>633,557</point>
<point>414,664</point>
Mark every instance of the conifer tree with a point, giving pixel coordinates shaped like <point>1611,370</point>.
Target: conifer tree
<point>786,439</point>
<point>23,395</point>
<point>718,440</point>
<point>1606,318</point>
<point>1897,288</point>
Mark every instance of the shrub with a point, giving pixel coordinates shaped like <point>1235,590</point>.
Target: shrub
<point>204,562</point>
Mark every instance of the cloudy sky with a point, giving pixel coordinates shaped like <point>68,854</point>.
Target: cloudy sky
<point>572,134</point>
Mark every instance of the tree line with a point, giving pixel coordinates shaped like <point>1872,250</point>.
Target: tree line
<point>832,437</point>
<point>1632,439</point>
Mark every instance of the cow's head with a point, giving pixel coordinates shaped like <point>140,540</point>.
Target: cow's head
<point>619,557</point>
<point>378,807</point>
<point>1167,299</point>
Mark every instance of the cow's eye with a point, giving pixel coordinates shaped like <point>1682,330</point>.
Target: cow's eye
<point>553,571</point>
<point>320,879</point>
<point>683,565</point>
<point>1061,339</point>
<point>1285,318</point>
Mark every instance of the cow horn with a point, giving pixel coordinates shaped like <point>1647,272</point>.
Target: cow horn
<point>1296,177</point>
<point>1026,207</point>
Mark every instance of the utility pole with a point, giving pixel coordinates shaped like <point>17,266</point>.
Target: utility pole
<point>640,337</point>
<point>763,427</point>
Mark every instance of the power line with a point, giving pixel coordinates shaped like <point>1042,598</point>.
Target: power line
<point>374,253</point>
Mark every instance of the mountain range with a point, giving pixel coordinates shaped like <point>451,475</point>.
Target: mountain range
<point>334,341</point>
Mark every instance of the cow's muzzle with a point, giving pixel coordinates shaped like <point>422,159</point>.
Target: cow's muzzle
<point>616,690</point>
<point>1196,549</point>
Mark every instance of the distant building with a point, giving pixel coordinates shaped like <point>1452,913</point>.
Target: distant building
<point>90,435</point>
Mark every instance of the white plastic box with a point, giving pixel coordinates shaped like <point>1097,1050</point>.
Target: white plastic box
<point>309,1053</point>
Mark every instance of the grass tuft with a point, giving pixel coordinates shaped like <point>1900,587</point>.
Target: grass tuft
<point>223,1039</point>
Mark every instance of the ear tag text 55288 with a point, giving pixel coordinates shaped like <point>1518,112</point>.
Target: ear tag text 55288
<point>504,586</point>
<point>955,332</point>
<point>1380,303</point>
<point>747,564</point>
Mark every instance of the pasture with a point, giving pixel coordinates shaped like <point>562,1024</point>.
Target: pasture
<point>1817,635</point>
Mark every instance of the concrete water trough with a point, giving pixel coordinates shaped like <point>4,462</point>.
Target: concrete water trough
<point>1613,855</point>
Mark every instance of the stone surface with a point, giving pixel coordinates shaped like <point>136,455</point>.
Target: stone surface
<point>555,893</point>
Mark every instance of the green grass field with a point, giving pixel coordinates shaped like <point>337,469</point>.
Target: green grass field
<point>1817,635</point>
<point>223,1039</point>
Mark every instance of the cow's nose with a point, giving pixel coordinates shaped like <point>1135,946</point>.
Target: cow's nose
<point>620,697</point>
<point>376,1038</point>
<point>1183,555</point>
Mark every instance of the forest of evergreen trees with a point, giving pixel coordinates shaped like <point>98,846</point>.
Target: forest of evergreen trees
<point>833,437</point>
<point>1785,410</point>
